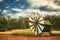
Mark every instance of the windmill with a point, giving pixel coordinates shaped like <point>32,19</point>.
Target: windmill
<point>36,23</point>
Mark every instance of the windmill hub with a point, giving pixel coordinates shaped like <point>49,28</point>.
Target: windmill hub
<point>36,23</point>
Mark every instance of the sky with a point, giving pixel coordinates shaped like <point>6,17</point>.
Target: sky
<point>16,8</point>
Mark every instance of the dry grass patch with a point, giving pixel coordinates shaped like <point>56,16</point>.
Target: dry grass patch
<point>18,32</point>
<point>5,33</point>
<point>28,32</point>
<point>22,32</point>
<point>55,32</point>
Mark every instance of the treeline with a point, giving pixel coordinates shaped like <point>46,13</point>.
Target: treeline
<point>55,21</point>
<point>8,23</point>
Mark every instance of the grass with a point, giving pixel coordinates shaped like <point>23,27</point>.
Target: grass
<point>55,32</point>
<point>18,32</point>
<point>28,32</point>
<point>22,32</point>
<point>5,33</point>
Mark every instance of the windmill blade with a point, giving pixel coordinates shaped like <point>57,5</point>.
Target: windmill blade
<point>40,19</point>
<point>32,27</point>
<point>41,22</point>
<point>39,30</point>
<point>30,24</point>
<point>31,19</point>
<point>35,31</point>
<point>39,27</point>
<point>42,27</point>
<point>35,16</point>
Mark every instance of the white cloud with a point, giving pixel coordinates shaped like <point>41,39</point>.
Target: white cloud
<point>38,3</point>
<point>49,3</point>
<point>34,3</point>
<point>0,10</point>
<point>15,9</point>
<point>7,6</point>
<point>17,0</point>
<point>27,12</point>
<point>4,11</point>
<point>1,0</point>
<point>22,6</point>
<point>19,12</point>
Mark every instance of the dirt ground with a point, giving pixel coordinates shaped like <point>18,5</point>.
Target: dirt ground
<point>14,37</point>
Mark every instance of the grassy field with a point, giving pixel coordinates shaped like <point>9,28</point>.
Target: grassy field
<point>18,32</point>
<point>27,32</point>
